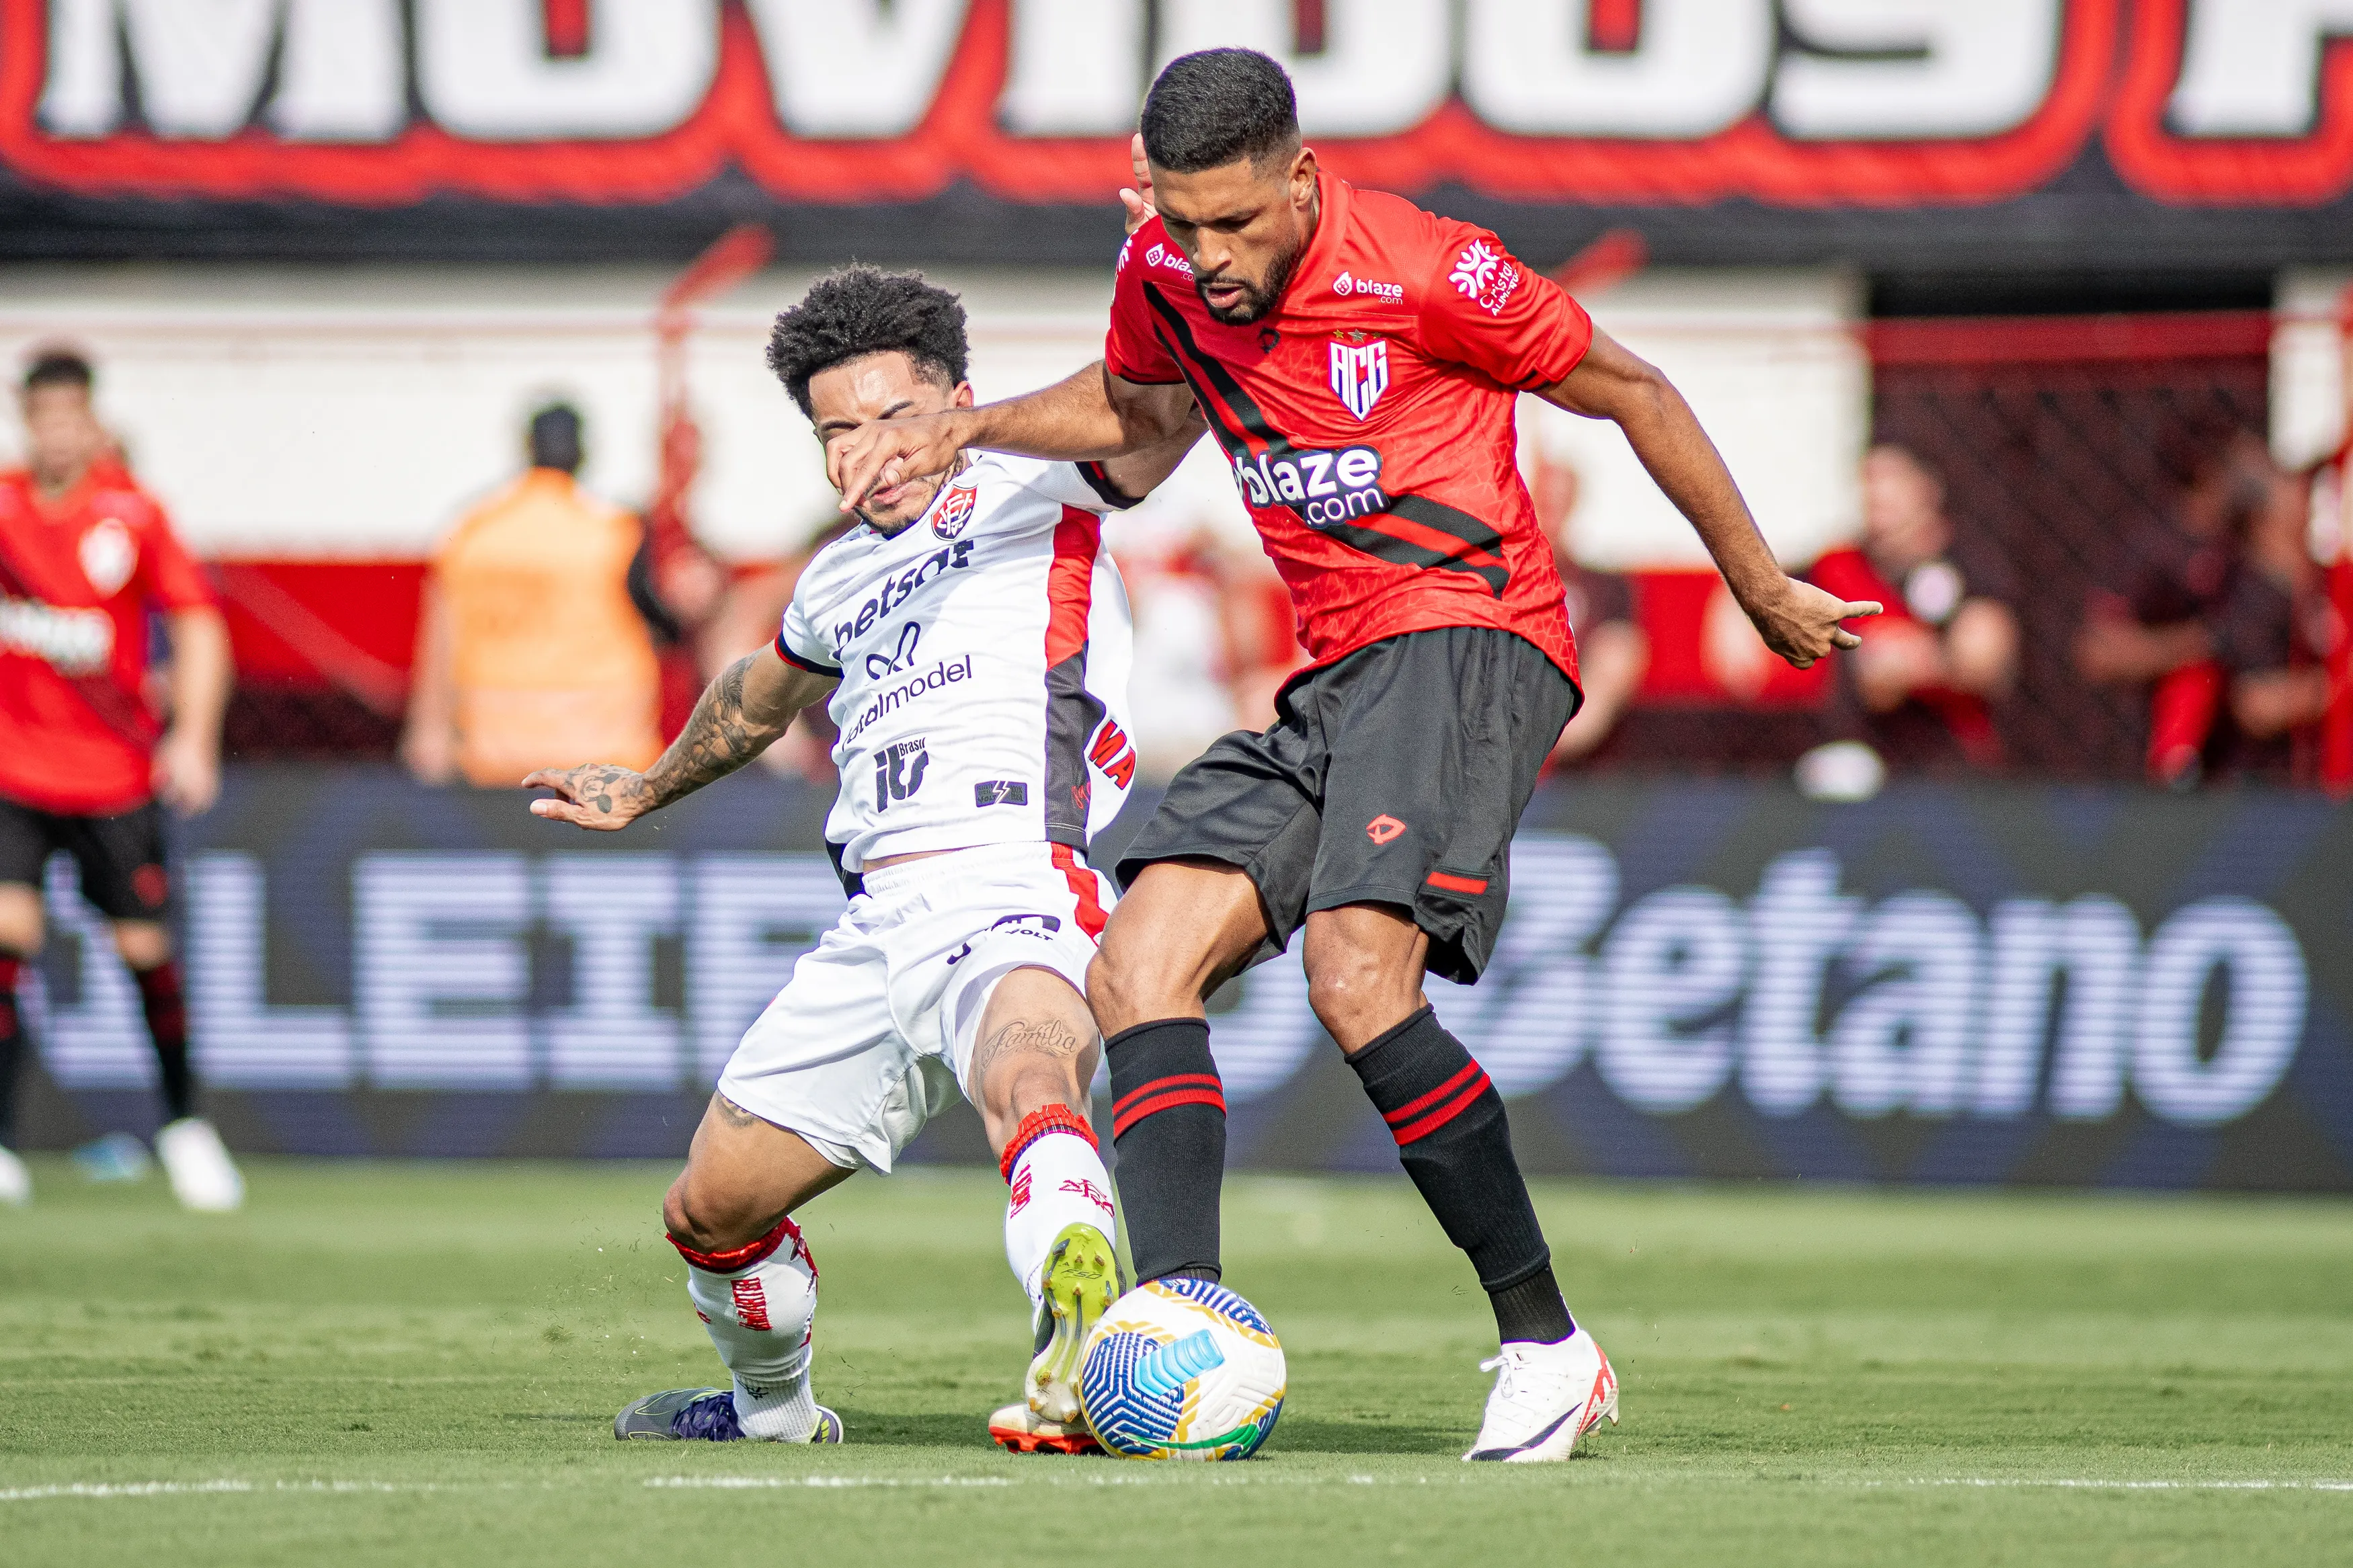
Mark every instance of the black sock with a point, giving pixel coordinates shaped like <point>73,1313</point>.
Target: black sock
<point>12,1046</point>
<point>1169,1124</point>
<point>1449,1124</point>
<point>161,998</point>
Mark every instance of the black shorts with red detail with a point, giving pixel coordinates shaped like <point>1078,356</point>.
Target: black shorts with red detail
<point>1394,777</point>
<point>120,858</point>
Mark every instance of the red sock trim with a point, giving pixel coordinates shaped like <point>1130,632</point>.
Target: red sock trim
<point>1445,1113</point>
<point>735,1259</point>
<point>1166,1094</point>
<point>1046,1119</point>
<point>1413,1108</point>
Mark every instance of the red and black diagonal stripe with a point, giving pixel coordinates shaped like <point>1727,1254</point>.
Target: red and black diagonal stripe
<point>1415,531</point>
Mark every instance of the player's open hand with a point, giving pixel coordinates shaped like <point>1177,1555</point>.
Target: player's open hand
<point>883,453</point>
<point>1801,622</point>
<point>186,771</point>
<point>600,795</point>
<point>1137,199</point>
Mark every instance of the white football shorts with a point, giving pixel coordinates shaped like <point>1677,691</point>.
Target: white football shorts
<point>875,1029</point>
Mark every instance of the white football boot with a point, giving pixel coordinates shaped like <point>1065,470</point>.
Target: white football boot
<point>16,1181</point>
<point>204,1178</point>
<point>1546,1397</point>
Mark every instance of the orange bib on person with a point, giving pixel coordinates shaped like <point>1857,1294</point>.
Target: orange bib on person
<point>554,665</point>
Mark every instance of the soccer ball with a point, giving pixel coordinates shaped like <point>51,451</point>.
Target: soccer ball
<point>1182,1369</point>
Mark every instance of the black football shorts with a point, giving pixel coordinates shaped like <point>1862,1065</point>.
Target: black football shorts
<point>120,858</point>
<point>1394,777</point>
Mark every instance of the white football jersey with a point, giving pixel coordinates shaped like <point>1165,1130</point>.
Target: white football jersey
<point>984,655</point>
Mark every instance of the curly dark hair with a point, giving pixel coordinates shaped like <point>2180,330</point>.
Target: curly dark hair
<point>1218,107</point>
<point>860,310</point>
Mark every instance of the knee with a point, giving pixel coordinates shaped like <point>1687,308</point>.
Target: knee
<point>143,944</point>
<point>1354,998</point>
<point>693,1218</point>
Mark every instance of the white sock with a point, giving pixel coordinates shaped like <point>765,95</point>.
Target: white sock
<point>758,1302</point>
<point>1056,1179</point>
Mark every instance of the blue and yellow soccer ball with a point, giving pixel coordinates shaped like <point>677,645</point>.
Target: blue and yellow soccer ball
<point>1182,1369</point>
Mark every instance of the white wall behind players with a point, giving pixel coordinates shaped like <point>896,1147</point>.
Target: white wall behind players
<point>355,411</point>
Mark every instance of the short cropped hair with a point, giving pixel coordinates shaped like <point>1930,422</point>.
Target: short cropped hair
<point>860,311</point>
<point>555,438</point>
<point>1218,107</point>
<point>61,367</point>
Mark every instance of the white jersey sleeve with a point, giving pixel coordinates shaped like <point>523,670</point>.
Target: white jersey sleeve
<point>1083,485</point>
<point>797,642</point>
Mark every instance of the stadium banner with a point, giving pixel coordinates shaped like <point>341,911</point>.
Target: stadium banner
<point>1946,985</point>
<point>2031,132</point>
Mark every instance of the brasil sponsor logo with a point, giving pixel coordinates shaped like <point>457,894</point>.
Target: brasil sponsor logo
<point>1360,374</point>
<point>938,678</point>
<point>1323,488</point>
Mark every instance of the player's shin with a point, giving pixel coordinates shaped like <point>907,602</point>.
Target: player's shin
<point>1059,1230</point>
<point>1455,1143</point>
<point>165,1002</point>
<point>758,1302</point>
<point>1169,1124</point>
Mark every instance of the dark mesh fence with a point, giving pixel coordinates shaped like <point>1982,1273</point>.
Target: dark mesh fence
<point>2047,434</point>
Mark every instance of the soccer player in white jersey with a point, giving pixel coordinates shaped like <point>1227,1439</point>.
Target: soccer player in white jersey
<point>972,637</point>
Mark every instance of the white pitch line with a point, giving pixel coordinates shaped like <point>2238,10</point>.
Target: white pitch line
<point>2090,1485</point>
<point>764,1483</point>
<point>120,1489</point>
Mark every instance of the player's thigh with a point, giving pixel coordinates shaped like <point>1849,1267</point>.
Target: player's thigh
<point>25,844</point>
<point>123,862</point>
<point>1436,749</point>
<point>1036,1047</point>
<point>1182,930</point>
<point>743,1175</point>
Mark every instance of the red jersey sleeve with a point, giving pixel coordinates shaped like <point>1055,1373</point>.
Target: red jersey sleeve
<point>1483,307</point>
<point>169,578</point>
<point>1131,349</point>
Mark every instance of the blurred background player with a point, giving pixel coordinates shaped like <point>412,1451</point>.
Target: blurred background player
<point>85,556</point>
<point>529,647</point>
<point>973,635</point>
<point>1920,692</point>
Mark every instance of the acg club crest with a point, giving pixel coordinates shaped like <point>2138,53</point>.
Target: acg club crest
<point>1360,374</point>
<point>955,510</point>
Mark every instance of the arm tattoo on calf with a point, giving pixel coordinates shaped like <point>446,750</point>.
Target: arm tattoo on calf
<point>1044,1038</point>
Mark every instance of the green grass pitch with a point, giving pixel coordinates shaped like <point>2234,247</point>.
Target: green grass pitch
<point>420,1364</point>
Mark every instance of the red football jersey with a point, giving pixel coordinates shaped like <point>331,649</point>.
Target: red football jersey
<point>1368,418</point>
<point>77,580</point>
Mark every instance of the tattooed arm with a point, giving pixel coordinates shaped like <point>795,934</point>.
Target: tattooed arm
<point>741,712</point>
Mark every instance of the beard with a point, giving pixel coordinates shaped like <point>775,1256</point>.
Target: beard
<point>1257,298</point>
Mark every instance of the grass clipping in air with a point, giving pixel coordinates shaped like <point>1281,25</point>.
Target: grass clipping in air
<point>420,1364</point>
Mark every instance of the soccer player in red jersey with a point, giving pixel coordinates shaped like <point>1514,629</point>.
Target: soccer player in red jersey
<point>1358,359</point>
<point>85,556</point>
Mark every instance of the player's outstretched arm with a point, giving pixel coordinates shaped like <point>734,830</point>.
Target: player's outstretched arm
<point>1092,415</point>
<point>1797,620</point>
<point>741,712</point>
<point>1140,472</point>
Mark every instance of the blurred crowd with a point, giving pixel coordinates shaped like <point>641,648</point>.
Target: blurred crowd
<point>557,624</point>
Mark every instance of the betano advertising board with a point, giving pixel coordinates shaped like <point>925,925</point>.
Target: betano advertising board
<point>2024,131</point>
<point>1991,983</point>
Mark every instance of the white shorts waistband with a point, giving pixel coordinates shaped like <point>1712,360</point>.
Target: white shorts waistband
<point>891,881</point>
